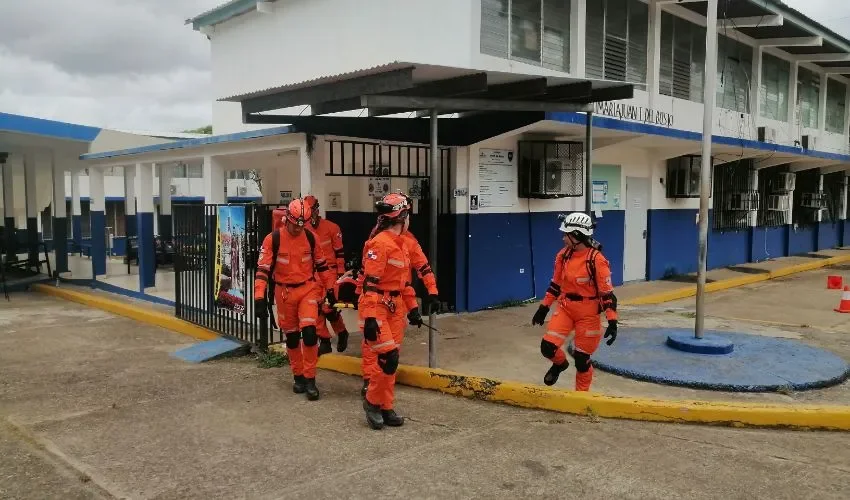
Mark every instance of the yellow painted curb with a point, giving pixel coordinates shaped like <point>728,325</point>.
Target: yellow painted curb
<point>690,291</point>
<point>137,313</point>
<point>564,401</point>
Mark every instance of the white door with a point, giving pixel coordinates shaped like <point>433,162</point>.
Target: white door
<point>637,203</point>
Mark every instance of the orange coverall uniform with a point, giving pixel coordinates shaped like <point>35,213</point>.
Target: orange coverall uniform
<point>369,360</point>
<point>386,266</point>
<point>297,294</point>
<point>580,300</point>
<point>329,237</point>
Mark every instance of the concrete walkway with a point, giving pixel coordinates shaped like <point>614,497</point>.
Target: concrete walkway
<point>94,406</point>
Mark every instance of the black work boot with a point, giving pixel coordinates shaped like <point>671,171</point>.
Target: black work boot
<point>373,415</point>
<point>365,388</point>
<point>554,372</point>
<point>300,384</point>
<point>342,341</point>
<point>325,346</point>
<point>392,419</point>
<point>312,390</point>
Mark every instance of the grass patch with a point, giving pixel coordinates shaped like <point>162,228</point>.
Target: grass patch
<point>271,359</point>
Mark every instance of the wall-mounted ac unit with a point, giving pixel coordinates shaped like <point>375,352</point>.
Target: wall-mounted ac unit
<point>813,200</point>
<point>809,142</point>
<point>767,134</point>
<point>173,190</point>
<point>778,202</point>
<point>785,181</point>
<point>742,201</point>
<point>241,191</point>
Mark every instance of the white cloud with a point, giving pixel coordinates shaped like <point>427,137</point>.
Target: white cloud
<point>834,14</point>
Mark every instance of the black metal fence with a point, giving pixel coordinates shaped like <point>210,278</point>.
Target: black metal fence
<point>733,199</point>
<point>809,199</point>
<point>833,189</point>
<point>775,186</point>
<point>216,250</point>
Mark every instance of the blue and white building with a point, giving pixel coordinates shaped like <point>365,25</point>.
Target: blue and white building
<point>780,145</point>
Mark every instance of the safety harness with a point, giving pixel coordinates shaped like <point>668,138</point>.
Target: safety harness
<point>609,301</point>
<point>275,248</point>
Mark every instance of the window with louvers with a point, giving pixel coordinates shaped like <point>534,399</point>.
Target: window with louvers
<point>616,40</point>
<point>773,94</point>
<point>836,96</point>
<point>682,58</point>
<point>531,31</point>
<point>734,68</point>
<point>808,97</point>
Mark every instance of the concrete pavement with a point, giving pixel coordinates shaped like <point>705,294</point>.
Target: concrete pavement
<point>93,406</point>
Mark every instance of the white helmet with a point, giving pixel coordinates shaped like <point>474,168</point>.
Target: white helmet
<point>576,222</point>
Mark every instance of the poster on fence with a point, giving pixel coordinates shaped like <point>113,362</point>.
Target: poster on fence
<point>230,259</point>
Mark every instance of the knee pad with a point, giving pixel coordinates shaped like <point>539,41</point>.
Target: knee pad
<point>388,361</point>
<point>582,361</point>
<point>308,333</point>
<point>293,339</point>
<point>548,349</point>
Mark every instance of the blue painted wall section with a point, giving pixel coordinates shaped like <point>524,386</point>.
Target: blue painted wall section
<point>147,262</point>
<point>611,232</point>
<point>499,248</point>
<point>829,235</point>
<point>77,230</point>
<point>461,262</point>
<point>130,225</point>
<point>60,243</point>
<point>769,243</point>
<point>673,240</point>
<point>98,242</point>
<point>802,240</point>
<point>728,248</point>
<point>846,241</point>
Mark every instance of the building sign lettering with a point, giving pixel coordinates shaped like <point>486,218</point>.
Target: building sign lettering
<point>633,113</point>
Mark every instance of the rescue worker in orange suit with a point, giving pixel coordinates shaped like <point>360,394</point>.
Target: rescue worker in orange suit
<point>581,284</point>
<point>293,270</point>
<point>329,237</point>
<point>386,269</point>
<point>430,303</point>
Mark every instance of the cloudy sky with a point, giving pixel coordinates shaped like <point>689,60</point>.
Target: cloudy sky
<point>133,64</point>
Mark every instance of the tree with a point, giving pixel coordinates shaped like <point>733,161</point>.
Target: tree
<point>202,130</point>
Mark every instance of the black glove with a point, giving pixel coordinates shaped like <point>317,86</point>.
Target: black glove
<point>261,308</point>
<point>431,304</point>
<point>331,297</point>
<point>540,315</point>
<point>415,318</point>
<point>370,329</point>
<point>611,331</point>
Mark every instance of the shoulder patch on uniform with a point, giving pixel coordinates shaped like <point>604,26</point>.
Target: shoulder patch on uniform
<point>371,255</point>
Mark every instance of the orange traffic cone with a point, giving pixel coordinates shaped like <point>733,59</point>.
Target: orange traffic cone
<point>844,306</point>
<point>834,282</point>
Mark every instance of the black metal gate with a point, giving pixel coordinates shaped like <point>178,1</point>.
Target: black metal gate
<point>215,260</point>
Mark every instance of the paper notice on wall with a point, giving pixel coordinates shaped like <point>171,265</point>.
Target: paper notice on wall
<point>496,178</point>
<point>379,187</point>
<point>335,200</point>
<point>600,192</point>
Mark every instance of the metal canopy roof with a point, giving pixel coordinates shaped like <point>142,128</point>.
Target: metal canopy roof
<point>402,86</point>
<point>774,24</point>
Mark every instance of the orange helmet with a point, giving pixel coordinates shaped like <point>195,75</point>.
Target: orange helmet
<point>298,212</point>
<point>393,206</point>
<point>311,202</point>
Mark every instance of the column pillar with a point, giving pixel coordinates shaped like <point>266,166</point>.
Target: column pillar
<point>144,220</point>
<point>31,197</point>
<point>130,202</point>
<point>165,222</point>
<point>304,170</point>
<point>317,174</point>
<point>9,210</point>
<point>792,93</point>
<point>578,22</point>
<point>76,210</point>
<point>822,102</point>
<point>97,215</point>
<point>755,83</point>
<point>653,53</point>
<point>60,222</point>
<point>214,184</point>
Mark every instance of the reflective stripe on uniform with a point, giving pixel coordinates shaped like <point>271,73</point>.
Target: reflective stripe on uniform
<point>306,258</point>
<point>558,335</point>
<point>388,343</point>
<point>395,262</point>
<point>283,260</point>
<point>308,320</point>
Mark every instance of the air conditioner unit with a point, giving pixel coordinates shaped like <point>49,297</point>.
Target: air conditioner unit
<point>767,134</point>
<point>778,202</point>
<point>241,191</point>
<point>742,201</point>
<point>785,181</point>
<point>809,142</point>
<point>814,200</point>
<point>173,190</point>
